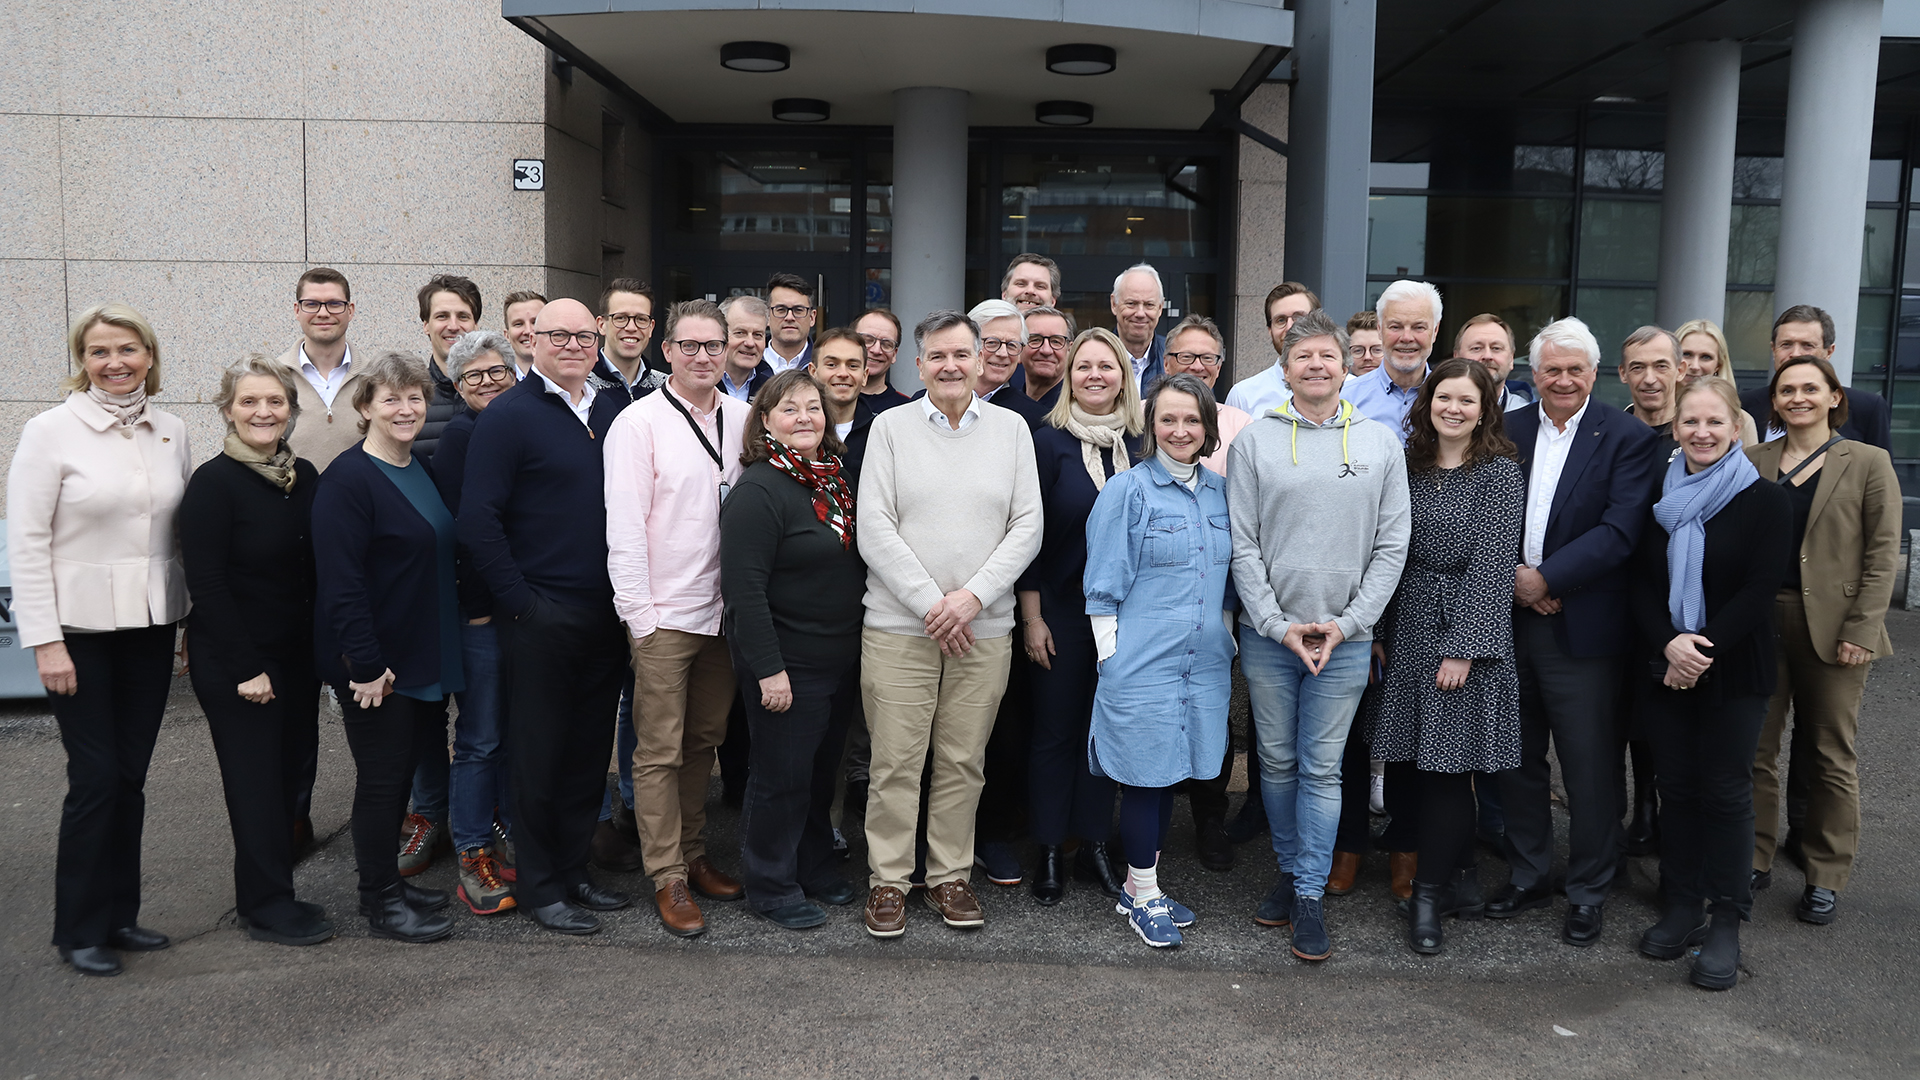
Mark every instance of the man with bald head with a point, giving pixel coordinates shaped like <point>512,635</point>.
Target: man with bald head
<point>534,522</point>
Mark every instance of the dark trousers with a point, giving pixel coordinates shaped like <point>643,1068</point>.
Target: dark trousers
<point>735,752</point>
<point>1208,797</point>
<point>108,726</point>
<point>786,825</point>
<point>1568,701</point>
<point>387,741</point>
<point>1065,797</point>
<point>263,751</point>
<point>564,666</point>
<point>1144,816</point>
<point>1703,757</point>
<point>1444,821</point>
<point>1002,815</point>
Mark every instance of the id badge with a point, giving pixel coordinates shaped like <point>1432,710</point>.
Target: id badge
<point>724,489</point>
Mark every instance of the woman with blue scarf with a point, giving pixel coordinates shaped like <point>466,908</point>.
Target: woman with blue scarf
<point>1707,568</point>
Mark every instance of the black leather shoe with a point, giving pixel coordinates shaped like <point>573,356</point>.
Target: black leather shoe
<point>417,898</point>
<point>396,918</point>
<point>1095,866</point>
<point>1423,918</point>
<point>1468,903</point>
<point>303,929</point>
<point>1817,906</point>
<point>563,918</point>
<point>839,892</point>
<point>594,898</point>
<point>1643,831</point>
<point>1211,845</point>
<point>138,939</point>
<point>1512,901</point>
<point>1761,879</point>
<point>1682,927</point>
<point>93,960</point>
<point>1049,875</point>
<point>1583,924</point>
<point>1717,967</point>
<point>800,915</point>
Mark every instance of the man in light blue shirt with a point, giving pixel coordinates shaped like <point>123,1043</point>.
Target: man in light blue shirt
<point>1267,388</point>
<point>1409,314</point>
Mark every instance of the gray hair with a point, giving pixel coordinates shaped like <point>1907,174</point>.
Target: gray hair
<point>475,343</point>
<point>1567,333</point>
<point>1408,289</point>
<point>1044,309</point>
<point>945,319</point>
<point>1649,333</point>
<point>1315,323</point>
<point>1202,395</point>
<point>986,311</point>
<point>752,305</point>
<point>1207,326</point>
<point>395,371</point>
<point>256,364</point>
<point>1141,268</point>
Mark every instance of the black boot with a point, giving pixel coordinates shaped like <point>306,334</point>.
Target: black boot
<point>1095,866</point>
<point>393,917</point>
<point>1643,832</point>
<point>1210,843</point>
<point>1049,875</point>
<point>1423,918</point>
<point>417,898</point>
<point>1681,928</point>
<point>1718,965</point>
<point>1468,903</point>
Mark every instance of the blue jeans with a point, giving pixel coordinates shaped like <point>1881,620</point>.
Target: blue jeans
<point>624,742</point>
<point>1300,721</point>
<point>477,778</point>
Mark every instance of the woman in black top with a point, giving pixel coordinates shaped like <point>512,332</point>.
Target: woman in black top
<point>793,582</point>
<point>245,537</point>
<point>1706,571</point>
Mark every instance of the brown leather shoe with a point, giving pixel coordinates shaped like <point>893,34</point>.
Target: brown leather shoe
<point>1346,864</point>
<point>1402,865</point>
<point>678,913</point>
<point>886,912</point>
<point>708,881</point>
<point>957,905</point>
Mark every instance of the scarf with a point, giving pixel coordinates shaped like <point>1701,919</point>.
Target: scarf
<point>832,499</point>
<point>1686,503</point>
<point>129,409</point>
<point>1096,433</point>
<point>277,467</point>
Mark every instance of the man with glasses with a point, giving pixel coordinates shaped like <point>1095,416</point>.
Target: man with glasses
<point>520,310</point>
<point>1409,315</point>
<point>1003,336</point>
<point>1487,338</point>
<point>1138,299</point>
<point>879,331</point>
<point>671,459</point>
<point>1043,361</point>
<point>1267,389</point>
<point>323,306</point>
<point>626,322</point>
<point>746,366</point>
<point>790,302</point>
<point>1364,343</point>
<point>533,521</point>
<point>1031,281</point>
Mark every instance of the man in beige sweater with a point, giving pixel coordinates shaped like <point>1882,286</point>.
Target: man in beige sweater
<point>949,515</point>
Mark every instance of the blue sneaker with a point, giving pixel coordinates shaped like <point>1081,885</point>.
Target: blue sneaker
<point>1277,908</point>
<point>1151,921</point>
<point>1177,911</point>
<point>1310,940</point>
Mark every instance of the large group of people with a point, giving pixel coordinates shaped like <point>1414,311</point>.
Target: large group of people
<point>1008,607</point>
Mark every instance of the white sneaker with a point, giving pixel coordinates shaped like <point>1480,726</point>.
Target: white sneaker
<point>1377,793</point>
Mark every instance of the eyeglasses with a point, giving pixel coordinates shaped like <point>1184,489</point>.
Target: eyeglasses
<point>692,348</point>
<point>623,321</point>
<point>994,345</point>
<point>886,344</point>
<point>1364,351</point>
<point>1056,342</point>
<point>586,339</point>
<point>312,307</point>
<point>497,373</point>
<point>790,311</point>
<point>1190,359</point>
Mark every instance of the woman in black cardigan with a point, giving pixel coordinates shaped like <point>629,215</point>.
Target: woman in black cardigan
<point>1707,568</point>
<point>387,632</point>
<point>793,582</point>
<point>245,527</point>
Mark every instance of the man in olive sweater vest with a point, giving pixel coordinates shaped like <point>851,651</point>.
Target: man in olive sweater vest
<point>949,507</point>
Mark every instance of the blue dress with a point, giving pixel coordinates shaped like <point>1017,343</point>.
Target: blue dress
<point>1157,557</point>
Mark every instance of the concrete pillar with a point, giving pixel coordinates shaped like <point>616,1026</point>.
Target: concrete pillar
<point>929,211</point>
<point>1823,197</point>
<point>1696,213</point>
<point>1331,144</point>
<point>1261,248</point>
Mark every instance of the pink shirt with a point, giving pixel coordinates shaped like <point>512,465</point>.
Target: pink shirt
<point>1230,421</point>
<point>663,511</point>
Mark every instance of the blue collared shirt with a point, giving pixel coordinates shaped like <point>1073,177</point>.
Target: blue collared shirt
<point>1378,397</point>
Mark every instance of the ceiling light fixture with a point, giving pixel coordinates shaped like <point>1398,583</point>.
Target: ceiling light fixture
<point>1080,59</point>
<point>760,56</point>
<point>801,110</point>
<point>1064,113</point>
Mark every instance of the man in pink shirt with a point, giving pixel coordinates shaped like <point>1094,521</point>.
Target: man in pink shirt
<point>1195,346</point>
<point>671,457</point>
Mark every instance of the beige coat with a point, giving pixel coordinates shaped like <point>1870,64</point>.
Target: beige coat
<point>322,433</point>
<point>1852,547</point>
<point>90,521</point>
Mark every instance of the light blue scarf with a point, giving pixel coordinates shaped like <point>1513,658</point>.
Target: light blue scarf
<point>1686,503</point>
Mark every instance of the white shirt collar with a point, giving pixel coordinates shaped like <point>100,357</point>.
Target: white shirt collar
<point>1552,430</point>
<point>935,416</point>
<point>581,410</point>
<point>346,362</point>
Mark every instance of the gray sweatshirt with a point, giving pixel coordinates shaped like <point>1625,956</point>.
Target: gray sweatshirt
<point>1320,520</point>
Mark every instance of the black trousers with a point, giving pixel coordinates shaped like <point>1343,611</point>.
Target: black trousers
<point>564,667</point>
<point>1703,758</point>
<point>387,741</point>
<point>263,752</point>
<point>108,726</point>
<point>1065,798</point>
<point>1444,821</point>
<point>1002,816</point>
<point>1208,798</point>
<point>786,826</point>
<point>1568,701</point>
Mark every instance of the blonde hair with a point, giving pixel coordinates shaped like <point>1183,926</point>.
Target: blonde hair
<point>1129,401</point>
<point>111,314</point>
<point>1712,384</point>
<point>256,364</point>
<point>1712,330</point>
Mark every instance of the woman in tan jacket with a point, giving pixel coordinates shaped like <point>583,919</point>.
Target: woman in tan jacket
<point>98,588</point>
<point>1830,616</point>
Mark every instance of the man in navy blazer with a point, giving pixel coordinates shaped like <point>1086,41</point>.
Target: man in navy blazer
<point>1138,301</point>
<point>1590,481</point>
<point>1805,330</point>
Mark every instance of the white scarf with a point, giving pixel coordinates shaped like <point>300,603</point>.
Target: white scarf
<point>1096,433</point>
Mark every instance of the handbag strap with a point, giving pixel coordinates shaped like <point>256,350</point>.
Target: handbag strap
<point>1810,459</point>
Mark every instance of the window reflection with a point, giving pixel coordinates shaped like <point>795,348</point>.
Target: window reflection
<point>1141,207</point>
<point>764,200</point>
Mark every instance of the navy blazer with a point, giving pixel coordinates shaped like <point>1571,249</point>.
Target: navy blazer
<point>378,580</point>
<point>1067,496</point>
<point>1868,418</point>
<point>1599,510</point>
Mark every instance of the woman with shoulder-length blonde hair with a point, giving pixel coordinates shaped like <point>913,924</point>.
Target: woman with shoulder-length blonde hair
<point>98,588</point>
<point>1703,351</point>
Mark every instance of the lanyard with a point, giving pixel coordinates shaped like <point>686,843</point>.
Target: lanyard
<point>719,427</point>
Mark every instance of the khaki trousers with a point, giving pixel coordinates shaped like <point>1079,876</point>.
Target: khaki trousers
<point>917,698</point>
<point>682,691</point>
<point>1825,699</point>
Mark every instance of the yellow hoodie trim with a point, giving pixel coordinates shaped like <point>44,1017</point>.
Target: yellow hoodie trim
<point>1343,416</point>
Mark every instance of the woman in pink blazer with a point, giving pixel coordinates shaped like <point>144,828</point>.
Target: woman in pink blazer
<point>98,589</point>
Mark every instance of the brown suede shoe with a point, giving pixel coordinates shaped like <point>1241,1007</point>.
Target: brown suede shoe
<point>1402,865</point>
<point>1346,864</point>
<point>957,905</point>
<point>708,881</point>
<point>886,912</point>
<point>678,913</point>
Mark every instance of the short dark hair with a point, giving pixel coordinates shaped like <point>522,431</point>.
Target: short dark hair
<point>690,309</point>
<point>771,393</point>
<point>784,280</point>
<point>1052,268</point>
<point>943,320</point>
<point>625,284</point>
<point>1366,320</point>
<point>1202,395</point>
<point>464,288</point>
<point>519,296</point>
<point>1489,439</point>
<point>1281,292</point>
<point>324,275</point>
<point>1836,415</point>
<point>1805,313</point>
<point>886,313</point>
<point>1484,318</point>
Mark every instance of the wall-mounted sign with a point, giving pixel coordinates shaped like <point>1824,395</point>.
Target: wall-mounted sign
<point>529,174</point>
